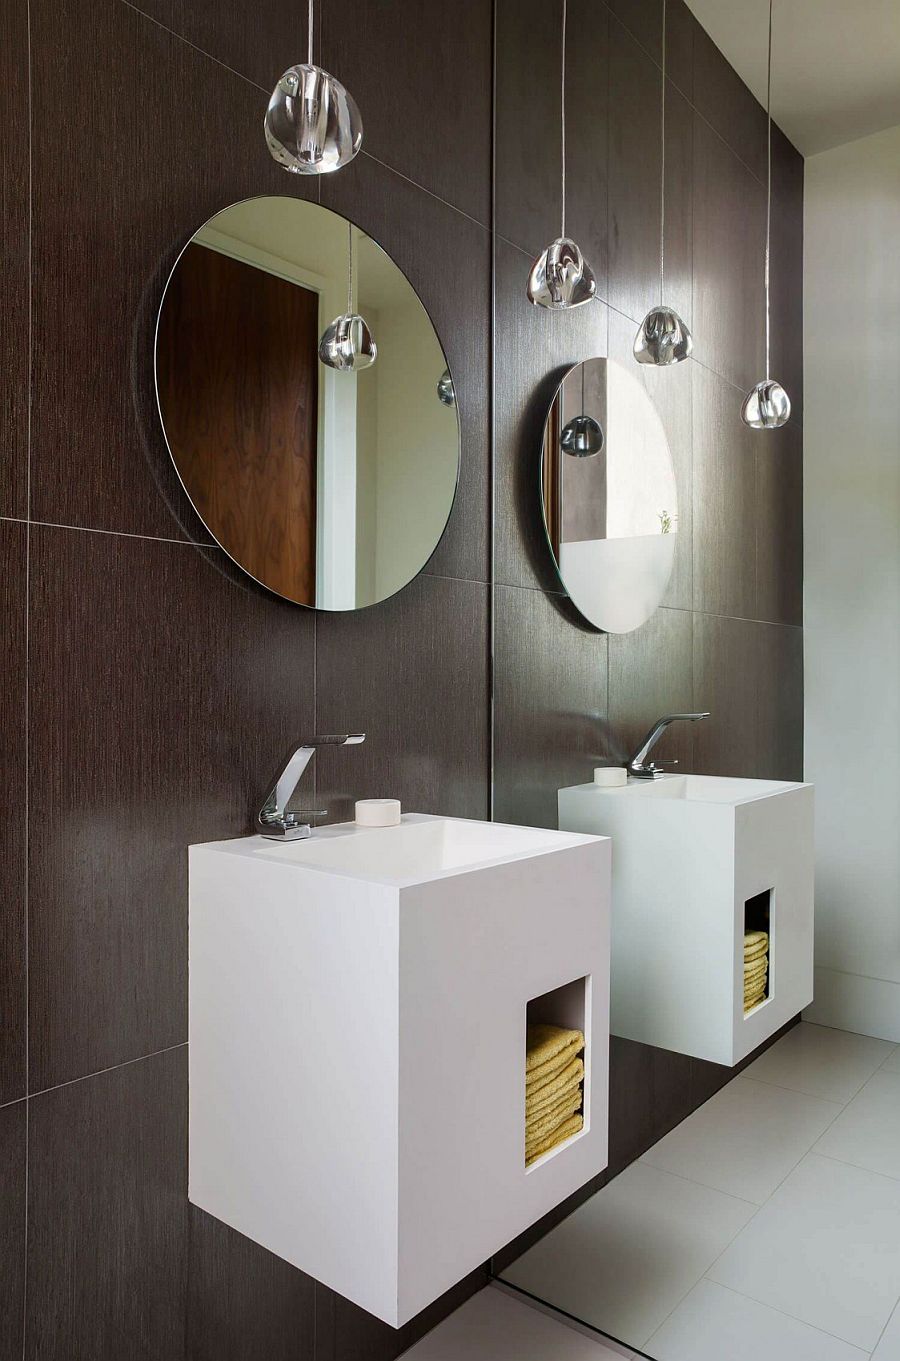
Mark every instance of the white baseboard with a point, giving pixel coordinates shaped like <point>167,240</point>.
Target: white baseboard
<point>846,1001</point>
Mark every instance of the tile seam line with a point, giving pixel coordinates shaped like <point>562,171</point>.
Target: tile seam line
<point>248,80</point>
<point>99,1072</point>
<point>26,795</point>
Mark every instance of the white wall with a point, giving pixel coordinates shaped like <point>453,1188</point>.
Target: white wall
<point>852,576</point>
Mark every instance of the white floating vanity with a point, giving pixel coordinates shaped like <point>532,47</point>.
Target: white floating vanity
<point>698,861</point>
<point>358,1004</point>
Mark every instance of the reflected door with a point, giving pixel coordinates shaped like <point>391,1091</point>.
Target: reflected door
<point>238,381</point>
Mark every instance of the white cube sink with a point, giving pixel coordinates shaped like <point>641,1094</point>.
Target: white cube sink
<point>358,1006</point>
<point>697,860</point>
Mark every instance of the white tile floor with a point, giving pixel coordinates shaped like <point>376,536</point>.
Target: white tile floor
<point>767,1225</point>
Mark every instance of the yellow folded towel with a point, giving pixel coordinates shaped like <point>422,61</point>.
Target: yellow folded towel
<point>559,1136</point>
<point>756,956</point>
<point>534,1105</point>
<point>573,1072</point>
<point>543,1043</point>
<point>754,939</point>
<point>546,1121</point>
<point>754,975</point>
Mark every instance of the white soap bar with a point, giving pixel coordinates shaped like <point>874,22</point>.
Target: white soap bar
<point>378,812</point>
<point>610,777</point>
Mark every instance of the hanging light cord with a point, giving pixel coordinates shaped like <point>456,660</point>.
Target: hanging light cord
<point>563,119</point>
<point>768,181</point>
<point>350,268</point>
<point>310,58</point>
<point>662,170</point>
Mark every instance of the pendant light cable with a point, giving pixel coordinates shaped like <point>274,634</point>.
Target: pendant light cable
<point>349,267</point>
<point>562,97</point>
<point>662,170</point>
<point>768,183</point>
<point>310,58</point>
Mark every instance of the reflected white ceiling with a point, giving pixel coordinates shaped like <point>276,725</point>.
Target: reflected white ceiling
<point>835,63</point>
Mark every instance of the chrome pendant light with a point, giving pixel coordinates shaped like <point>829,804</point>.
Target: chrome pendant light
<point>662,338</point>
<point>312,123</point>
<point>767,406</point>
<point>560,277</point>
<point>347,344</point>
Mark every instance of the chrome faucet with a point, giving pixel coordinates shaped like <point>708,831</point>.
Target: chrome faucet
<point>273,819</point>
<point>638,765</point>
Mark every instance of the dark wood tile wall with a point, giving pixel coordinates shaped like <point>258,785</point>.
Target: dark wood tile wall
<point>147,689</point>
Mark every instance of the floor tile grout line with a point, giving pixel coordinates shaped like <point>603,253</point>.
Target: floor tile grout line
<point>782,1313</point>
<point>888,1322</point>
<point>845,1162</point>
<point>644,1161</point>
<point>99,1072</point>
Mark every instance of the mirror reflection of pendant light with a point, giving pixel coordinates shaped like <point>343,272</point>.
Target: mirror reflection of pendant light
<point>347,344</point>
<point>445,390</point>
<point>312,123</point>
<point>561,277</point>
<point>582,437</point>
<point>767,405</point>
<point>662,338</point>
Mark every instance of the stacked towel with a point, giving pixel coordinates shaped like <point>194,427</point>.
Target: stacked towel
<point>756,967</point>
<point>553,1095</point>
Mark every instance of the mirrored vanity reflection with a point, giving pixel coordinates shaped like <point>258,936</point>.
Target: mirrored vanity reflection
<point>609,497</point>
<point>307,403</point>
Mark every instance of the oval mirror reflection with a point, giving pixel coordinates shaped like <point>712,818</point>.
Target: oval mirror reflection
<point>331,486</point>
<point>610,503</point>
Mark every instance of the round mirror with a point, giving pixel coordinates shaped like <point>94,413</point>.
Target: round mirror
<point>610,503</point>
<point>307,403</point>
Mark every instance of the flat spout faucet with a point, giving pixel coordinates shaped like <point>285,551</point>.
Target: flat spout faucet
<point>638,766</point>
<point>273,819</point>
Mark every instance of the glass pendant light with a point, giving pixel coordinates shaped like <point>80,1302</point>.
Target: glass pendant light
<point>662,338</point>
<point>561,277</point>
<point>347,344</point>
<point>581,438</point>
<point>312,123</point>
<point>767,406</point>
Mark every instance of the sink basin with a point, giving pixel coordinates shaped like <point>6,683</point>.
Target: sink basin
<point>358,1005</point>
<point>420,848</point>
<point>699,860</point>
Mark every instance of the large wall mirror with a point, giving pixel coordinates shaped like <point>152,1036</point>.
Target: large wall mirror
<point>327,471</point>
<point>609,495</point>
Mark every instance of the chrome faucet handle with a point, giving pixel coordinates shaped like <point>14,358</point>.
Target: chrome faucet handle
<point>273,819</point>
<point>638,766</point>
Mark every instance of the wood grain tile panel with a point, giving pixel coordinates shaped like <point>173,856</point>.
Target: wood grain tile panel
<point>244,1303</point>
<point>634,184</point>
<point>724,101</point>
<point>779,524</point>
<point>12,1229</point>
<point>527,185</point>
<point>14,257</point>
<point>165,689</point>
<point>787,269</point>
<point>550,704</point>
<point>780,703</point>
<point>729,219</point>
<point>643,20</point>
<point>107,1216</point>
<point>421,76</point>
<point>412,674</point>
<point>447,259</point>
<point>13,762</point>
<point>651,674</point>
<point>724,499</point>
